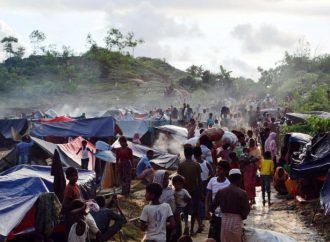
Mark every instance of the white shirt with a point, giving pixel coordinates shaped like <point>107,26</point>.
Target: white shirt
<point>215,186</point>
<point>73,237</point>
<point>84,153</point>
<point>206,154</point>
<point>156,216</point>
<point>180,197</point>
<point>205,170</point>
<point>93,229</point>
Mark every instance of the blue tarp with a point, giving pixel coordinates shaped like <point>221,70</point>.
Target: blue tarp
<point>93,127</point>
<point>325,194</point>
<point>131,127</point>
<point>20,125</point>
<point>20,187</point>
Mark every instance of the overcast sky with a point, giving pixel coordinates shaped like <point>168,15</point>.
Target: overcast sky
<point>239,34</point>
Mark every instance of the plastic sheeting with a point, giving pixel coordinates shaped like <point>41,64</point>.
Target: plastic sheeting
<point>56,120</point>
<point>131,127</point>
<point>255,235</point>
<point>325,194</point>
<point>161,158</point>
<point>317,158</point>
<point>94,127</point>
<point>178,133</point>
<point>20,187</point>
<point>20,125</point>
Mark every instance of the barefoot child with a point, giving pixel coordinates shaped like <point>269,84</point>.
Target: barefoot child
<point>84,154</point>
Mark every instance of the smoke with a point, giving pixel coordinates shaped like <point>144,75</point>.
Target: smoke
<point>167,143</point>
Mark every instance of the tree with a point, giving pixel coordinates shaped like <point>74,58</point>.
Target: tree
<point>20,52</point>
<point>195,71</point>
<point>90,42</point>
<point>114,38</point>
<point>36,38</point>
<point>131,42</point>
<point>225,77</point>
<point>8,45</point>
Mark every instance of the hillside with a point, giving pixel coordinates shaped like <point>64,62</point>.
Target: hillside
<point>98,77</point>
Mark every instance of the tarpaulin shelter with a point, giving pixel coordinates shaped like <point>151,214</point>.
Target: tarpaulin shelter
<point>56,120</point>
<point>131,127</point>
<point>316,160</point>
<point>6,125</point>
<point>178,133</point>
<point>302,117</point>
<point>94,127</point>
<point>21,186</point>
<point>161,158</point>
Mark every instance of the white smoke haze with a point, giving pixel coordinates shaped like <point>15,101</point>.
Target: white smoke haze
<point>167,143</point>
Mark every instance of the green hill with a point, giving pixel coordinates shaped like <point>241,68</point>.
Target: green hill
<point>98,76</point>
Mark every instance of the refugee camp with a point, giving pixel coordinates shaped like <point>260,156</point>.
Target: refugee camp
<point>154,121</point>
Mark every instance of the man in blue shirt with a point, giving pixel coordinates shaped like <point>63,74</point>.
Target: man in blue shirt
<point>144,170</point>
<point>23,150</point>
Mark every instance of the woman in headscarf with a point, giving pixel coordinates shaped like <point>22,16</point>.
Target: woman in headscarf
<point>270,145</point>
<point>279,180</point>
<point>124,161</point>
<point>255,151</point>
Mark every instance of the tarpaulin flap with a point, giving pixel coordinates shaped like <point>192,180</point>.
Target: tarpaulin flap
<point>325,194</point>
<point>67,152</point>
<point>56,120</point>
<point>131,127</point>
<point>20,125</point>
<point>94,127</point>
<point>178,133</point>
<point>317,158</point>
<point>161,158</point>
<point>20,187</point>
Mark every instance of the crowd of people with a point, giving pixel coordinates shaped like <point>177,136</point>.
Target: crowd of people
<point>216,179</point>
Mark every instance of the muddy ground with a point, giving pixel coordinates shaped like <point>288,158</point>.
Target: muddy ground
<point>285,216</point>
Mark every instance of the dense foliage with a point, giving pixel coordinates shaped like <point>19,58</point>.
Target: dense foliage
<point>312,126</point>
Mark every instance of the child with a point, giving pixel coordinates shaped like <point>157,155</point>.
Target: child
<point>79,229</point>
<point>84,154</point>
<point>266,172</point>
<point>182,201</point>
<point>155,215</point>
<point>72,190</point>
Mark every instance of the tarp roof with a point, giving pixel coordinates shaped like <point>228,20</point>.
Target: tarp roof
<point>67,152</point>
<point>178,133</point>
<point>56,120</point>
<point>94,127</point>
<point>20,125</point>
<point>161,158</point>
<point>131,127</point>
<point>20,187</point>
<point>317,160</point>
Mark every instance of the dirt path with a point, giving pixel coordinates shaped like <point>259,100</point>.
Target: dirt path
<point>280,217</point>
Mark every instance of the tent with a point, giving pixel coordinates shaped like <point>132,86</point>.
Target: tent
<point>161,158</point>
<point>178,133</point>
<point>316,161</point>
<point>6,125</point>
<point>94,127</point>
<point>21,186</point>
<point>56,120</point>
<point>131,127</point>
